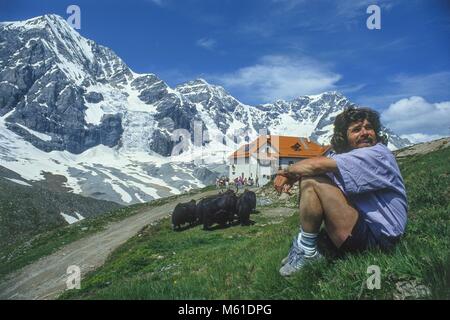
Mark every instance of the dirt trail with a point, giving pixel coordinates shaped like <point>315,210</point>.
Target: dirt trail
<point>46,278</point>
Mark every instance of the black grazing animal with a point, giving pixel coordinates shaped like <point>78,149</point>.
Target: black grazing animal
<point>245,205</point>
<point>184,213</point>
<point>251,197</point>
<point>243,211</point>
<point>218,209</point>
<point>202,207</point>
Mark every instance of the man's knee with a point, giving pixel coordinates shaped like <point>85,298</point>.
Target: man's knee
<point>339,237</point>
<point>313,181</point>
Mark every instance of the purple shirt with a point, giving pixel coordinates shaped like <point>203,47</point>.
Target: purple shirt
<point>371,180</point>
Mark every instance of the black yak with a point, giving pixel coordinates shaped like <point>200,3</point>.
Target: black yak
<point>249,196</point>
<point>243,211</point>
<point>184,213</point>
<point>244,206</point>
<point>218,209</point>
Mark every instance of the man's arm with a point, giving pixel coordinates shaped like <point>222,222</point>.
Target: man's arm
<point>312,167</point>
<point>309,167</point>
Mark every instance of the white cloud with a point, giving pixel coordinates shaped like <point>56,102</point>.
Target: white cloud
<point>416,116</point>
<point>403,86</point>
<point>207,43</point>
<point>280,77</point>
<point>425,84</point>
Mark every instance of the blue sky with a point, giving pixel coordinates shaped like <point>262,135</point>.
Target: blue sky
<point>264,50</point>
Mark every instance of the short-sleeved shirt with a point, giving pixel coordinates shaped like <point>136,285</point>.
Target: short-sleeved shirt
<point>372,182</point>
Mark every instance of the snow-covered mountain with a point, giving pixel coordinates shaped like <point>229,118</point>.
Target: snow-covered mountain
<point>306,116</point>
<point>71,107</point>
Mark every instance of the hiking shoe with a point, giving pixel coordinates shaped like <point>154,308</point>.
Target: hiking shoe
<point>296,261</point>
<point>294,249</point>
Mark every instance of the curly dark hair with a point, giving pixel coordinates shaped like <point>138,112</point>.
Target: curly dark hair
<point>348,116</point>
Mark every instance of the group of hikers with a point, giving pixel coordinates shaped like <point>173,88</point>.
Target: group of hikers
<point>238,182</point>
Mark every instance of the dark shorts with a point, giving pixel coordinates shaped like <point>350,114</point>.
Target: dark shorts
<point>362,238</point>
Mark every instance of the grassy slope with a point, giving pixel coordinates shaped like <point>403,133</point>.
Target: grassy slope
<point>243,262</point>
<point>26,211</point>
<point>19,255</point>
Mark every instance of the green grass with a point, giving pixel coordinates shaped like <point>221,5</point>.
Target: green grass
<point>243,262</point>
<point>19,255</point>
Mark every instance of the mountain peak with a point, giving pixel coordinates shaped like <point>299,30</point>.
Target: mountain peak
<point>325,94</point>
<point>52,17</point>
<point>333,93</point>
<point>202,86</point>
<point>39,22</point>
<point>201,81</point>
<point>197,82</point>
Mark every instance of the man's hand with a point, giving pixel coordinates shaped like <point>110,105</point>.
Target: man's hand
<point>283,181</point>
<point>279,183</point>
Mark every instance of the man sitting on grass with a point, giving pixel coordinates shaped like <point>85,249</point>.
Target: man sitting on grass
<point>358,192</point>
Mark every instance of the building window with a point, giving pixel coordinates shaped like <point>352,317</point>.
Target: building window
<point>296,147</point>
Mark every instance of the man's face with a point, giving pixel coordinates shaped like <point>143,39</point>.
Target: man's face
<point>361,134</point>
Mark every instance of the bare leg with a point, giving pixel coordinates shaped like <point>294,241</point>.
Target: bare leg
<point>311,211</point>
<point>321,200</point>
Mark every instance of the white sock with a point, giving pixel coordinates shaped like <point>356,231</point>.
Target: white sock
<point>308,242</point>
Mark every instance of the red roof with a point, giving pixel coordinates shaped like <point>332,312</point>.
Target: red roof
<point>287,147</point>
